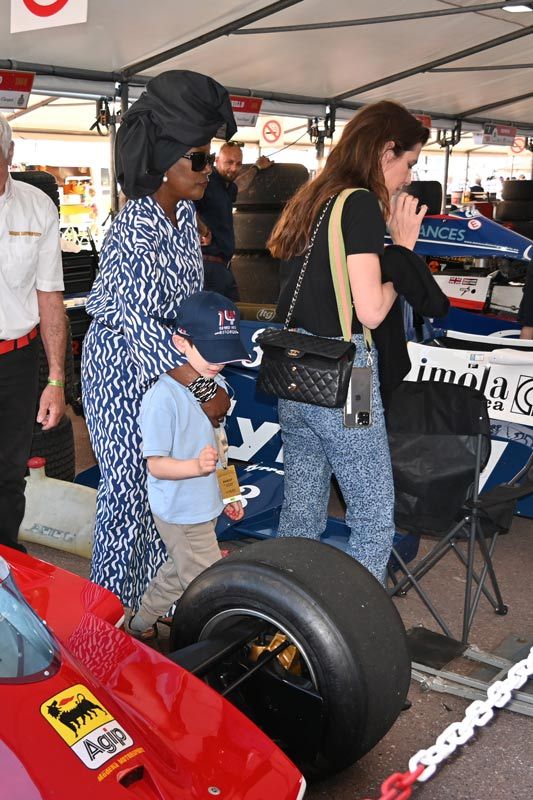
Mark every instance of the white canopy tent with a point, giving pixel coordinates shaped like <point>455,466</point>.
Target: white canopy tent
<point>458,61</point>
<point>300,55</point>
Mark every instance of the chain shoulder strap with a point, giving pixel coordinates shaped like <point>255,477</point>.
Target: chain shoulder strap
<point>304,265</point>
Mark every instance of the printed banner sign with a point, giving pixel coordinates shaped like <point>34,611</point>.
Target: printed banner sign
<point>245,110</point>
<point>507,387</point>
<point>30,15</point>
<point>496,134</point>
<point>15,88</point>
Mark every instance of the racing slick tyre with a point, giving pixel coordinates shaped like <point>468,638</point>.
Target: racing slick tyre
<point>252,229</point>
<point>57,447</point>
<point>510,210</point>
<point>517,190</point>
<point>271,187</point>
<point>429,193</point>
<point>521,227</point>
<point>257,276</point>
<point>347,668</point>
<point>44,181</point>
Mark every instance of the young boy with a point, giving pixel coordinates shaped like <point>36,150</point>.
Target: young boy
<point>180,449</point>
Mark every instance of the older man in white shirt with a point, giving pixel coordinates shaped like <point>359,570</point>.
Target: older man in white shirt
<point>31,304</point>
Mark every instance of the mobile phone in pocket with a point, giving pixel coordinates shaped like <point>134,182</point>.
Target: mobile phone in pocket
<point>358,406</point>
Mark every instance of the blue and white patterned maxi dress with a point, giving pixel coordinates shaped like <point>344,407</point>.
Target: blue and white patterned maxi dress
<point>147,268</point>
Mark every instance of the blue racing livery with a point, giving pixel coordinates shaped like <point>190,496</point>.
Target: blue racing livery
<point>465,233</point>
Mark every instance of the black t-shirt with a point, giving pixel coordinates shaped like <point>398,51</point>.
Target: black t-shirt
<point>363,231</point>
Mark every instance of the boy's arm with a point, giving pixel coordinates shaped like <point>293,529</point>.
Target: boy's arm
<point>174,469</point>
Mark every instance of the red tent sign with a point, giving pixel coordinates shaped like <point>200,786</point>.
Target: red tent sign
<point>245,109</point>
<point>425,119</point>
<point>29,15</point>
<point>15,88</point>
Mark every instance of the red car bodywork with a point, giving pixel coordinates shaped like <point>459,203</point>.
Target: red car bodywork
<point>113,718</point>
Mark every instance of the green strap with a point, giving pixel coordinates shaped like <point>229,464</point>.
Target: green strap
<point>339,268</point>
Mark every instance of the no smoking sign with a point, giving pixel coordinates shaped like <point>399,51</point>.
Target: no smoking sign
<point>518,145</point>
<point>271,132</point>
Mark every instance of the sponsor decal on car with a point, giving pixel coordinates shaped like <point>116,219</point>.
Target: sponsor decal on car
<point>508,388</point>
<point>85,725</point>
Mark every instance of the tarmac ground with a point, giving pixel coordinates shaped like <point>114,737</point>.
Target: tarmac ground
<point>497,762</point>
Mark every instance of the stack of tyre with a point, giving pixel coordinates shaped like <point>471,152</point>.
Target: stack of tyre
<point>429,193</point>
<point>515,210</point>
<point>256,211</point>
<point>57,444</point>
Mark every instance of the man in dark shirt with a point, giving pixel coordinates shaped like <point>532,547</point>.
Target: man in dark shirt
<point>477,188</point>
<point>215,211</point>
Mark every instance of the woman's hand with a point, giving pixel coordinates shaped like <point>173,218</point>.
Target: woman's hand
<point>185,374</point>
<point>404,222</point>
<point>217,408</point>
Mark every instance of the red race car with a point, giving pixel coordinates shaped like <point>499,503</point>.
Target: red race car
<point>89,712</point>
<point>302,640</point>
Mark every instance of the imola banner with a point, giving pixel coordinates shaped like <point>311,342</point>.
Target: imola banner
<point>508,387</point>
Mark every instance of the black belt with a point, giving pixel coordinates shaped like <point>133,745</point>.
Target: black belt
<point>217,260</point>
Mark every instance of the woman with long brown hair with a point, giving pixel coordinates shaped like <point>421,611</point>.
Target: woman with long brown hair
<point>376,152</point>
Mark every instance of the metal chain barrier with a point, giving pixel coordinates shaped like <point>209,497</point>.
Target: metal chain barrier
<point>423,764</point>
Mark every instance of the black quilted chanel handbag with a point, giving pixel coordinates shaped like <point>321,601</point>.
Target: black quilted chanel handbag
<point>311,369</point>
<point>299,366</point>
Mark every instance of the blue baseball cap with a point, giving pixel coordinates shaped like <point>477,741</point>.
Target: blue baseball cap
<point>211,321</point>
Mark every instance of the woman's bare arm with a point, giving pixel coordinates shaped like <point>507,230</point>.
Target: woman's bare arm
<point>372,299</point>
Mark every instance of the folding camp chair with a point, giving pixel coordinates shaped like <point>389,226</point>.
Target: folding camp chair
<point>439,437</point>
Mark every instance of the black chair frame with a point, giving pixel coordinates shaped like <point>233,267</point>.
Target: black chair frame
<point>483,517</point>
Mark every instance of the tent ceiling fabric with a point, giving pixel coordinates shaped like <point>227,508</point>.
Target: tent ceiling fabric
<point>317,64</point>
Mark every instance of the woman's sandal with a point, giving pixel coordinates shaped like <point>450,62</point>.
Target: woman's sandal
<point>166,619</point>
<point>146,636</point>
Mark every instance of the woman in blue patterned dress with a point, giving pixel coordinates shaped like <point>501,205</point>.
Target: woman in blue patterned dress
<point>150,260</point>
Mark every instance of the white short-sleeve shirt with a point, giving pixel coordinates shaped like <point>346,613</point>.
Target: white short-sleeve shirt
<point>30,256</point>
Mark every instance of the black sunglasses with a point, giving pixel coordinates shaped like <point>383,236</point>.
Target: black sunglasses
<point>200,160</point>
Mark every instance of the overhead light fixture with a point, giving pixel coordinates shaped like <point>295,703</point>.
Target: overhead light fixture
<point>518,9</point>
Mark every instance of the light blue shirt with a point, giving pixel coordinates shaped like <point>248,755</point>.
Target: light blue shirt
<point>173,424</point>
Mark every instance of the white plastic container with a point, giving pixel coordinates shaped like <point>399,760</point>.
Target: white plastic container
<point>58,514</point>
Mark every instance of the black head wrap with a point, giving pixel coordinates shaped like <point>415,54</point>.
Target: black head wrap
<point>178,110</point>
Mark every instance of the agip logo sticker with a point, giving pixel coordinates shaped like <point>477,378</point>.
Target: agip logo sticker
<point>85,725</point>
